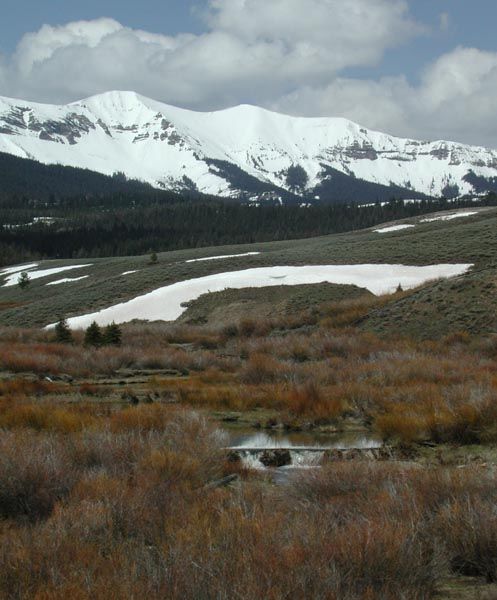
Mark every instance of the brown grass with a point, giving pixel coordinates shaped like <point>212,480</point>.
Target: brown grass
<point>100,501</point>
<point>125,506</point>
<point>471,524</point>
<point>408,390</point>
<point>43,418</point>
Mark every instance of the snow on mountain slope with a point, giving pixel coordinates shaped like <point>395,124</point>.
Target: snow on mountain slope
<point>215,152</point>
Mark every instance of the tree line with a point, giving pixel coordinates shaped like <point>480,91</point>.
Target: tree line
<point>131,225</point>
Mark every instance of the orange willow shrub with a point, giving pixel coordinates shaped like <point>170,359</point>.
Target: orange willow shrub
<point>460,415</point>
<point>80,361</point>
<point>29,387</point>
<point>469,527</point>
<point>143,523</point>
<point>318,403</point>
<point>43,417</point>
<point>262,368</point>
<point>404,387</point>
<point>154,417</point>
<point>346,479</point>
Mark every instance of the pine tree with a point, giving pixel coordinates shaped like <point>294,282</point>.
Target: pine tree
<point>93,335</point>
<point>112,335</point>
<point>23,280</point>
<point>63,334</point>
<point>399,289</point>
<point>153,258</point>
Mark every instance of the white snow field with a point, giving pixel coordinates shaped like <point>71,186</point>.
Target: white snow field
<point>393,228</point>
<point>168,303</point>
<point>12,279</point>
<point>223,256</point>
<point>122,131</point>
<point>67,280</point>
<point>458,215</point>
<point>18,269</point>
<point>450,217</point>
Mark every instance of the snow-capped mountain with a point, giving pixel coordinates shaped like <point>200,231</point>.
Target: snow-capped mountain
<point>243,150</point>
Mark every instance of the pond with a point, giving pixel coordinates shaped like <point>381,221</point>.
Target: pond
<point>247,438</point>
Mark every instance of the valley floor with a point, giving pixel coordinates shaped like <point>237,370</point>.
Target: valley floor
<point>115,480</point>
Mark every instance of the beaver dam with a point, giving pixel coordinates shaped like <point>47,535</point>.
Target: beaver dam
<point>302,450</point>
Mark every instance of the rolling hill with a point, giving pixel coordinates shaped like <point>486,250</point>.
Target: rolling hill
<point>453,239</point>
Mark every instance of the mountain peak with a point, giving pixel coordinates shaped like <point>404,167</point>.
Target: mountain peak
<point>115,96</point>
<point>117,101</point>
<point>240,151</point>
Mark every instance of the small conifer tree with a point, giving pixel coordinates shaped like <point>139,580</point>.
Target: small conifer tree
<point>153,258</point>
<point>63,334</point>
<point>399,289</point>
<point>112,335</point>
<point>23,280</point>
<point>93,335</point>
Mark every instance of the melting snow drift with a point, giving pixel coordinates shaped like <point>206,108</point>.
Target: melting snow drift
<point>18,269</point>
<point>393,228</point>
<point>223,256</point>
<point>168,303</point>
<point>12,279</point>
<point>458,215</point>
<point>67,280</point>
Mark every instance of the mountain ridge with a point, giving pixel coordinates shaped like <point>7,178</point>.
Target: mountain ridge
<point>211,152</point>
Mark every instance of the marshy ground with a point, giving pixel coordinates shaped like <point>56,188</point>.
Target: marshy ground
<point>113,460</point>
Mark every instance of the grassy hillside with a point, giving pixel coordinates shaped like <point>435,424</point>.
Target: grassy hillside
<point>464,304</point>
<point>250,303</point>
<point>465,240</point>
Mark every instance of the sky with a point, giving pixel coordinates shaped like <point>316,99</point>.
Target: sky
<point>425,69</point>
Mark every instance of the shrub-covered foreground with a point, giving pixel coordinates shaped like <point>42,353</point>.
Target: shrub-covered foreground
<point>101,497</point>
<point>111,478</point>
<point>127,507</point>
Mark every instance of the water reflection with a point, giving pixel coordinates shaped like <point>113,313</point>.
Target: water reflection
<point>295,440</point>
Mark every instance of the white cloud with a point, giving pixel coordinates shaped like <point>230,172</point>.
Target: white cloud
<point>290,55</point>
<point>345,34</point>
<point>36,48</point>
<point>455,99</point>
<point>253,50</point>
<point>372,103</point>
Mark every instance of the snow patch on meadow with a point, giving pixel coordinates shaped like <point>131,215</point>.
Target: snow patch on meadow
<point>450,217</point>
<point>18,269</point>
<point>458,215</point>
<point>169,302</point>
<point>393,228</point>
<point>128,273</point>
<point>67,280</point>
<point>221,257</point>
<point>12,279</point>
